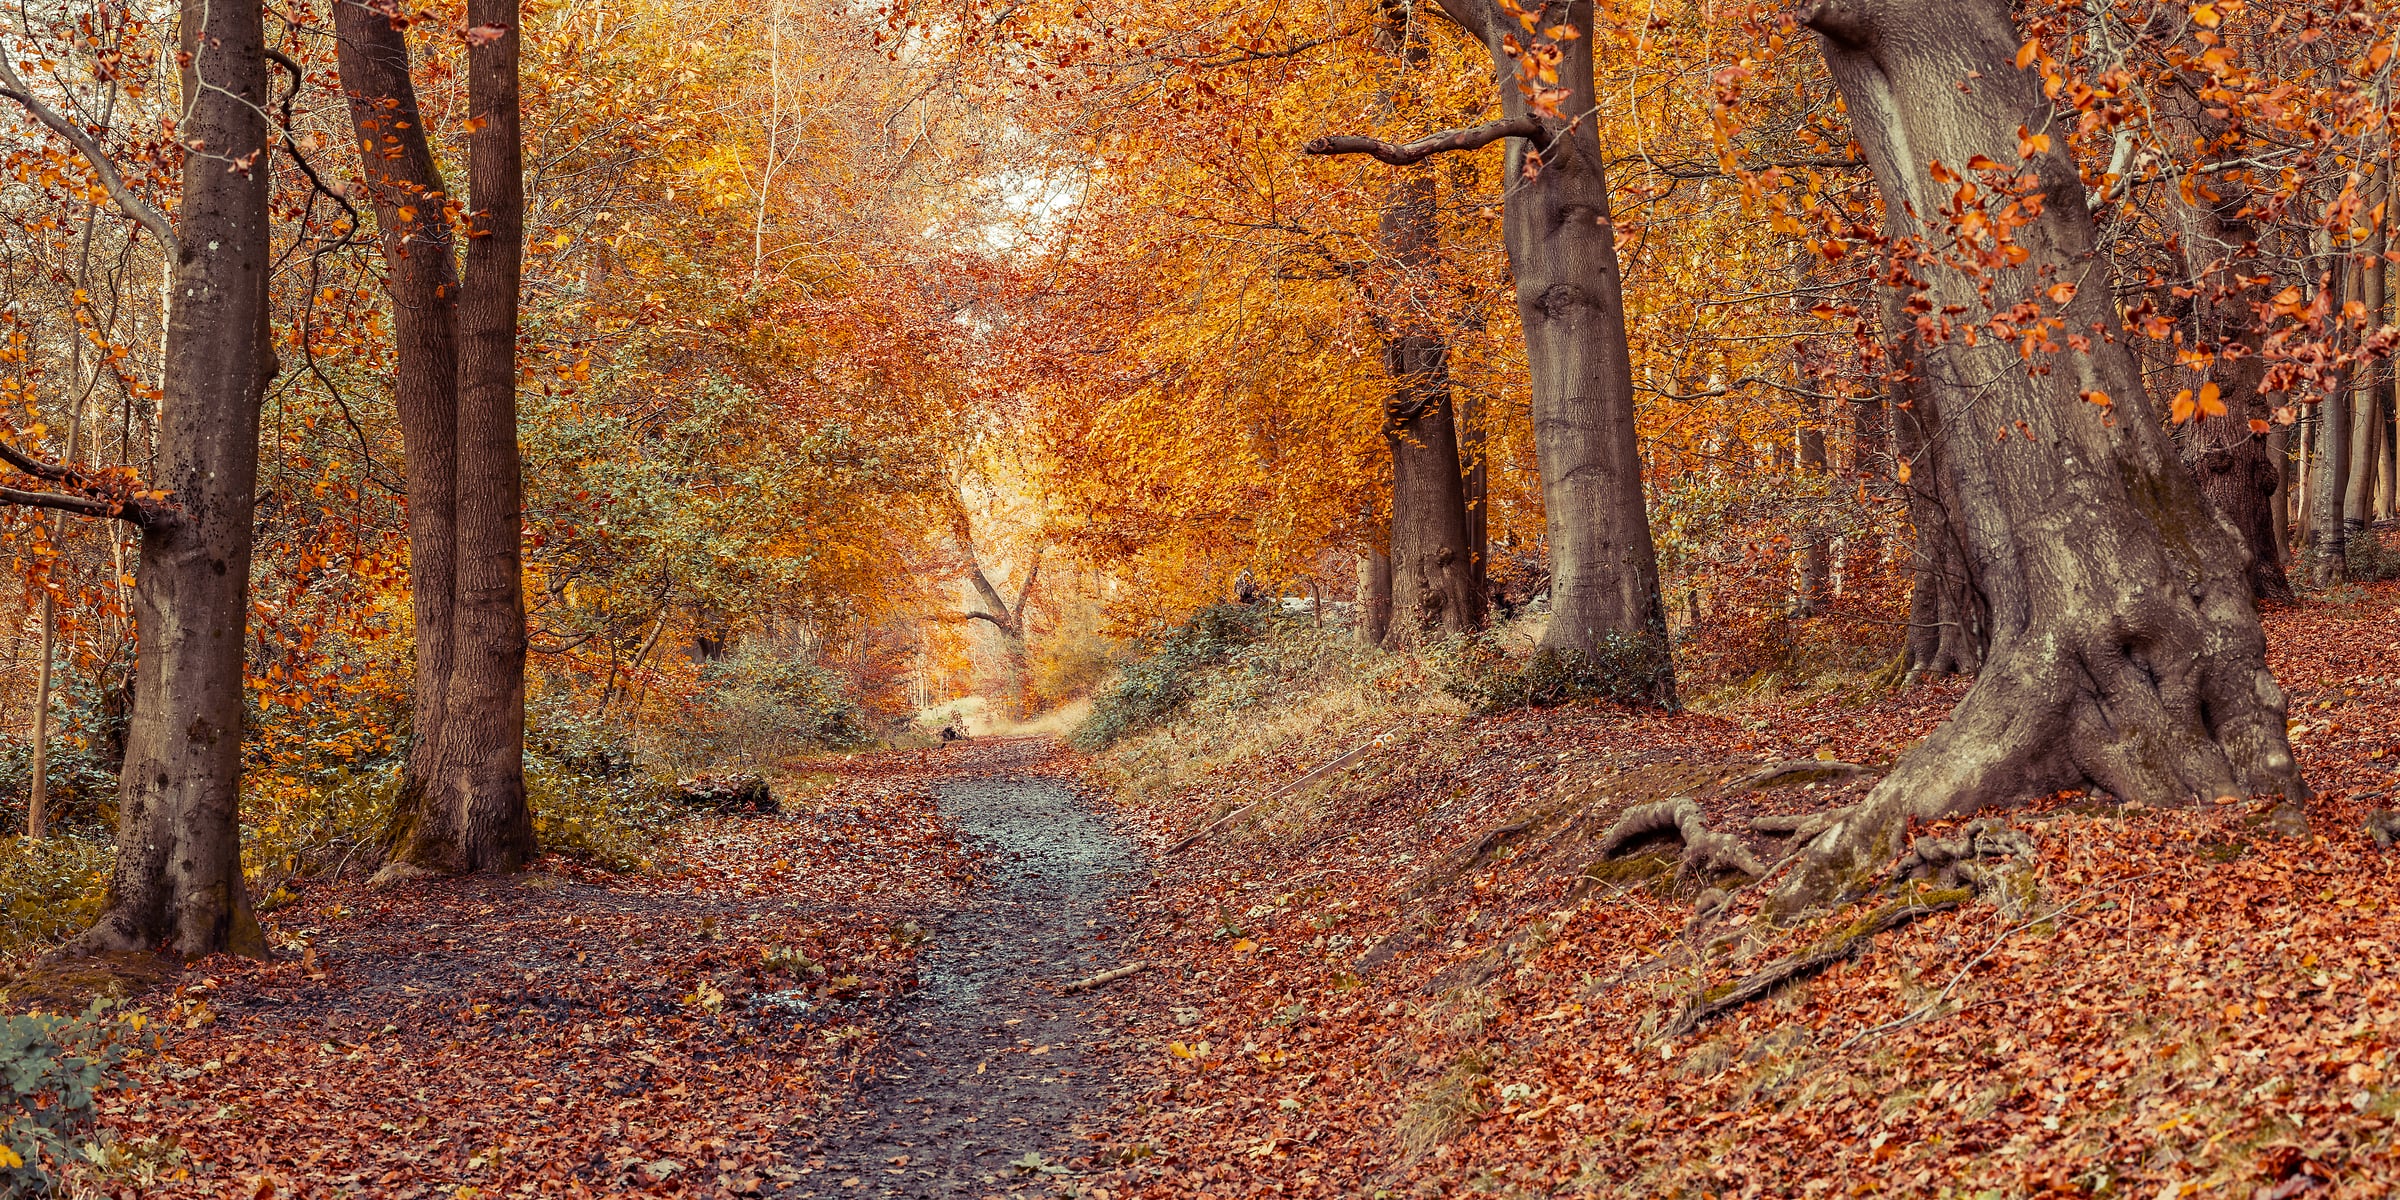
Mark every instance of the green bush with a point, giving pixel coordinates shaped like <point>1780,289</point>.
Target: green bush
<point>2368,560</point>
<point>591,797</point>
<point>1157,682</point>
<point>1482,673</point>
<point>82,769</point>
<point>54,1069</point>
<point>51,888</point>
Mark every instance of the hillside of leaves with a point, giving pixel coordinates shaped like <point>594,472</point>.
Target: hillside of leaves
<point>1416,975</point>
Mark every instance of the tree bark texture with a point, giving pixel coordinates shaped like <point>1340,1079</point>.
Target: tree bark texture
<point>1562,248</point>
<point>2125,651</point>
<point>420,273</point>
<point>1432,563</point>
<point>471,814</point>
<point>1949,624</point>
<point>1374,595</point>
<point>2329,481</point>
<point>177,882</point>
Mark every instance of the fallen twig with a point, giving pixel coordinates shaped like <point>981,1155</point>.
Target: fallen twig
<point>1104,978</point>
<point>1800,966</point>
<point>1277,794</point>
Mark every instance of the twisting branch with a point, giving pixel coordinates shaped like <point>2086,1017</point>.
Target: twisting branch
<point>142,212</point>
<point>1472,138</point>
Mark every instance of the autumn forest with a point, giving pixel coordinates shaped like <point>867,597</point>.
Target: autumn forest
<point>1172,598</point>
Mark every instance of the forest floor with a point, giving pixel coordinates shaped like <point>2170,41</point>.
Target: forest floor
<point>1411,976</point>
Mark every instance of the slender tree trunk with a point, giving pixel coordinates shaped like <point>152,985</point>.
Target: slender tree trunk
<point>1374,595</point>
<point>474,817</point>
<point>178,875</point>
<point>2329,486</point>
<point>2365,400</point>
<point>2127,656</point>
<point>420,272</point>
<point>1562,249</point>
<point>1809,575</point>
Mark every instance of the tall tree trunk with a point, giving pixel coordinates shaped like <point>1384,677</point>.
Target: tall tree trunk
<point>178,875</point>
<point>2127,656</point>
<point>1562,249</point>
<point>411,206</point>
<point>2329,485</point>
<point>1432,565</point>
<point>2239,474</point>
<point>474,816</point>
<point>1949,624</point>
<point>1809,575</point>
<point>2366,404</point>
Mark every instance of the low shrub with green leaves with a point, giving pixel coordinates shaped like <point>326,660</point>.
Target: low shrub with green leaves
<point>1161,679</point>
<point>51,888</point>
<point>591,796</point>
<point>54,1069</point>
<point>1487,677</point>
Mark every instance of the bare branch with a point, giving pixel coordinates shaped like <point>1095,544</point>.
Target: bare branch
<point>35,467</point>
<point>997,623</point>
<point>143,213</point>
<point>132,512</point>
<point>1472,138</point>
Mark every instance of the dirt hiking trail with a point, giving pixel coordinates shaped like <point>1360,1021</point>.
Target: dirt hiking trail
<point>992,1070</point>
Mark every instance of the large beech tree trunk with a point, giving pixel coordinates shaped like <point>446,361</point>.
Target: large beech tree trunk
<point>2125,651</point>
<point>178,875</point>
<point>463,807</point>
<point>1432,563</point>
<point>421,274</point>
<point>1562,248</point>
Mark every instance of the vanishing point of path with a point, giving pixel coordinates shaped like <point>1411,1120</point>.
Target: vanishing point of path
<point>993,1070</point>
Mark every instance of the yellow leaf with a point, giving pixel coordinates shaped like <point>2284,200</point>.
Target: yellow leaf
<point>2026,52</point>
<point>9,1158</point>
<point>2210,404</point>
<point>2204,16</point>
<point>1244,946</point>
<point>1900,471</point>
<point>2182,410</point>
<point>1179,1050</point>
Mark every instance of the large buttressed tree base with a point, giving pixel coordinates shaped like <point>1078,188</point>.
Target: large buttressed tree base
<point>2125,652</point>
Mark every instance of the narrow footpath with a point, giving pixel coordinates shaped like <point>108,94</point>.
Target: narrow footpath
<point>994,1071</point>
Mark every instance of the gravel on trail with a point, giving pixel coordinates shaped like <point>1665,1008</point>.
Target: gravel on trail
<point>994,1072</point>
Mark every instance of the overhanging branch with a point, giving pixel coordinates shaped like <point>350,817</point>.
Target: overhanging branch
<point>131,205</point>
<point>1408,154</point>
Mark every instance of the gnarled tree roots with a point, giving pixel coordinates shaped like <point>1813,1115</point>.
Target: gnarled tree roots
<point>1705,850</point>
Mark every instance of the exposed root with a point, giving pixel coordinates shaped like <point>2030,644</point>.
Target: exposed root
<point>1704,850</point>
<point>1803,828</point>
<point>1960,858</point>
<point>2384,826</point>
<point>1716,1002</point>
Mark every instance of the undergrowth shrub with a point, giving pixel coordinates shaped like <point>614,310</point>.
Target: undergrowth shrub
<point>51,888</point>
<point>1163,674</point>
<point>1484,673</point>
<point>591,796</point>
<point>764,703</point>
<point>1071,663</point>
<point>53,1069</point>
<point>2369,560</point>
